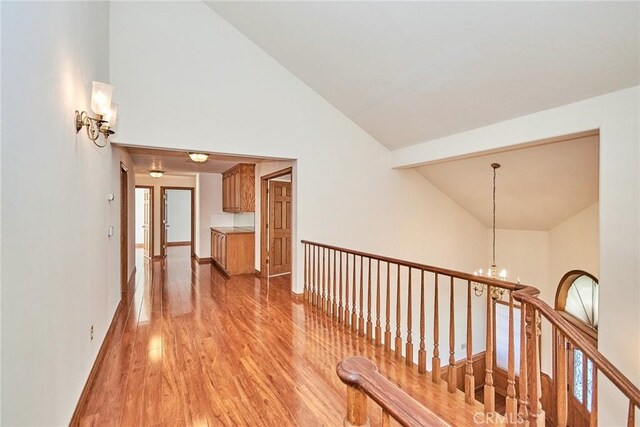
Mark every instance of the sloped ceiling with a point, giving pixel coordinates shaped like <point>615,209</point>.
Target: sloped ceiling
<point>537,188</point>
<point>409,72</point>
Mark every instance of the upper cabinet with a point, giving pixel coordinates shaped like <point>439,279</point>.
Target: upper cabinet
<point>239,189</point>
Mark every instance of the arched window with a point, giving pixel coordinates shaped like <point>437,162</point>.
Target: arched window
<point>577,300</point>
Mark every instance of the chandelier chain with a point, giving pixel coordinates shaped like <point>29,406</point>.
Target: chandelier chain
<point>494,215</point>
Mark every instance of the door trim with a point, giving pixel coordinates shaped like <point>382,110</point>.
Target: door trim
<point>151,189</point>
<point>124,231</point>
<point>264,217</point>
<point>162,214</point>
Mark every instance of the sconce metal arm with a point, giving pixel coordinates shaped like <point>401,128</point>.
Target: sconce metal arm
<point>95,127</point>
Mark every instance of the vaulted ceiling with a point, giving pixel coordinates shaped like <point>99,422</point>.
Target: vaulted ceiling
<point>409,72</point>
<point>537,188</point>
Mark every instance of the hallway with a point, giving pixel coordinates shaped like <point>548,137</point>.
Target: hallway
<point>195,349</point>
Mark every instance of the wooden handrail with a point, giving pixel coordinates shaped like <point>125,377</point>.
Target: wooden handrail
<point>504,284</point>
<point>529,296</point>
<point>360,373</point>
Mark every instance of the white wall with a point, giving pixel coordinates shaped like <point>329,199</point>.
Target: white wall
<point>253,106</point>
<point>1,56</point>
<point>342,173</point>
<point>617,116</point>
<point>619,244</point>
<point>573,246</point>
<point>53,291</point>
<point>140,192</point>
<point>208,203</point>
<point>178,215</point>
<point>523,253</point>
<point>156,183</point>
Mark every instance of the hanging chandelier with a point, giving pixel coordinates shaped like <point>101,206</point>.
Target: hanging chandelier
<point>492,271</point>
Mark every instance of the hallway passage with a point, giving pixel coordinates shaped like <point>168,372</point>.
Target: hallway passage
<point>195,349</point>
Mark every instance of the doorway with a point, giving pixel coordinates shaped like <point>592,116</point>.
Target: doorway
<point>144,220</point>
<point>124,232</point>
<point>176,218</point>
<point>276,244</point>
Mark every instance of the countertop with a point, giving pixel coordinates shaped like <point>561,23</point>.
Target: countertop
<point>234,230</point>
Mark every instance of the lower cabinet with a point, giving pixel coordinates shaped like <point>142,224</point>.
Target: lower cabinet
<point>232,250</point>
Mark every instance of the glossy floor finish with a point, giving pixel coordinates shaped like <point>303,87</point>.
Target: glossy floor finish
<point>195,349</point>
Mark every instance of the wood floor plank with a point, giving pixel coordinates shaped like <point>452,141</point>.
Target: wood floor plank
<point>197,349</point>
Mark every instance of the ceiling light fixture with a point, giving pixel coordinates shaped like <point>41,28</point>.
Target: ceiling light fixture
<point>492,272</point>
<point>104,110</point>
<point>198,157</point>
<point>156,173</point>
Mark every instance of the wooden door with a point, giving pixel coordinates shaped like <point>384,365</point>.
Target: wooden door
<point>581,399</point>
<point>147,223</point>
<point>279,228</point>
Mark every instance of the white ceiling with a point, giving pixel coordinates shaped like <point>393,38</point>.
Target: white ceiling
<point>409,72</point>
<point>537,188</point>
<point>178,162</point>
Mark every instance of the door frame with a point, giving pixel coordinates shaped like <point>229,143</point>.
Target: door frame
<point>151,189</point>
<point>124,231</point>
<point>163,252</point>
<point>264,217</point>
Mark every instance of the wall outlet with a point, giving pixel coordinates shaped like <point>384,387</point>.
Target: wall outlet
<point>463,346</point>
<point>91,333</point>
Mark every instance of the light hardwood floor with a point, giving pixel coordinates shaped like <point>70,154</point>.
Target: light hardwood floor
<point>195,349</point>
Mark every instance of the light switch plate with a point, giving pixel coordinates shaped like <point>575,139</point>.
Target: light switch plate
<point>110,231</point>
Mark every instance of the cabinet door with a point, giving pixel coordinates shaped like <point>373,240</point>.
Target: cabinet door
<point>237,189</point>
<point>224,192</point>
<point>213,244</point>
<point>223,250</point>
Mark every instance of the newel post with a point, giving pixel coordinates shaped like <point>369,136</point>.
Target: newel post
<point>356,408</point>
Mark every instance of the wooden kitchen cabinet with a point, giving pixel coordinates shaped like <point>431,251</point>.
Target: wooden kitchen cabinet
<point>232,249</point>
<point>239,189</point>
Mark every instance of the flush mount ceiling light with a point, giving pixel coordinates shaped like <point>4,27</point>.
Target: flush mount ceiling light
<point>104,110</point>
<point>156,173</point>
<point>198,157</point>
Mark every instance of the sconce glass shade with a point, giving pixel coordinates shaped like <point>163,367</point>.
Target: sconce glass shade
<point>199,157</point>
<point>111,115</point>
<point>101,98</point>
<point>156,174</point>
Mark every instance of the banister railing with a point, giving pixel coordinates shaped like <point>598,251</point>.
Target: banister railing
<point>566,332</point>
<point>363,380</point>
<point>341,284</point>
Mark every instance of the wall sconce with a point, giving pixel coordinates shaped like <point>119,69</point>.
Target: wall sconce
<point>198,157</point>
<point>105,114</point>
<point>156,173</point>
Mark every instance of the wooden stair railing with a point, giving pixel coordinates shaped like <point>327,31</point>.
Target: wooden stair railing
<point>363,380</point>
<point>394,282</point>
<point>565,333</point>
